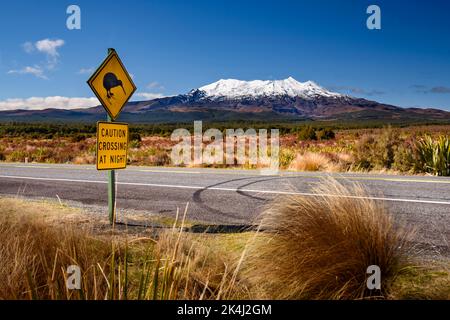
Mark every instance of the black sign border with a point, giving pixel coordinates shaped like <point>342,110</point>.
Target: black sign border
<point>99,69</point>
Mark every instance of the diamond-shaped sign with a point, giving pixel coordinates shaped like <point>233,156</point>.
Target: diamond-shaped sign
<point>112,84</point>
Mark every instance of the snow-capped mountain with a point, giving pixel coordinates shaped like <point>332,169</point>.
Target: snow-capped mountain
<point>237,89</point>
<point>231,100</point>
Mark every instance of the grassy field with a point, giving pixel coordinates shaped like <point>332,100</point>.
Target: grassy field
<point>307,248</point>
<point>407,150</point>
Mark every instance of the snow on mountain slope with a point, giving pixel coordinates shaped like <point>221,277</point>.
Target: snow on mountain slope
<point>235,89</point>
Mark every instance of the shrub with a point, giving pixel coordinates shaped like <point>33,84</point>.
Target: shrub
<point>434,156</point>
<point>135,140</point>
<point>404,158</point>
<point>325,134</point>
<point>363,152</point>
<point>286,157</point>
<point>135,144</point>
<point>386,147</point>
<point>134,136</point>
<point>307,133</point>
<point>18,156</point>
<point>161,158</point>
<point>78,137</point>
<point>320,247</point>
<point>42,155</point>
<point>377,153</point>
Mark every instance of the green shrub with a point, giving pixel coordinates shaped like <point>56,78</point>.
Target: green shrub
<point>404,158</point>
<point>78,137</point>
<point>377,153</point>
<point>286,157</point>
<point>161,158</point>
<point>134,136</point>
<point>386,147</point>
<point>134,144</point>
<point>434,155</point>
<point>18,156</point>
<point>43,155</point>
<point>325,134</point>
<point>307,133</point>
<point>135,140</point>
<point>363,153</point>
<point>388,151</point>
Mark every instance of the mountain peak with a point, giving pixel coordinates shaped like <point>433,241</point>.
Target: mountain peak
<point>234,89</point>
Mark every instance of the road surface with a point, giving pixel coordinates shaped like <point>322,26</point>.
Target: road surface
<point>228,196</point>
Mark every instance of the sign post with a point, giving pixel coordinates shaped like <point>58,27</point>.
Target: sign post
<point>112,196</point>
<point>111,189</point>
<point>111,179</point>
<point>113,87</point>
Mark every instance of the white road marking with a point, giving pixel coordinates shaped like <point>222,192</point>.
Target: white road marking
<point>230,189</point>
<point>248,173</point>
<point>34,167</point>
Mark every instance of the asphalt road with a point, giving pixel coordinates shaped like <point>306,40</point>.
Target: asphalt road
<point>229,196</point>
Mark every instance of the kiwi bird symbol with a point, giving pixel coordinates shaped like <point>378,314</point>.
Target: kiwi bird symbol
<point>110,81</point>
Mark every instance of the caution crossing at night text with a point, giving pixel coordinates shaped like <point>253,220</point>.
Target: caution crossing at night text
<point>112,145</point>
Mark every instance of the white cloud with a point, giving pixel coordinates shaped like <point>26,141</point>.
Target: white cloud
<point>149,95</point>
<point>35,71</point>
<point>155,85</point>
<point>49,47</point>
<point>40,103</point>
<point>86,71</point>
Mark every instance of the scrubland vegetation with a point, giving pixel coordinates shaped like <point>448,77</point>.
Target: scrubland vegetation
<point>410,150</point>
<point>306,248</point>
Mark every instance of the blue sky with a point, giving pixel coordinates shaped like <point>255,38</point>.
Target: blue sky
<point>171,47</point>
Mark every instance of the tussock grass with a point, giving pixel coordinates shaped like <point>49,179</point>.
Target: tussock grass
<point>307,248</point>
<point>34,258</point>
<point>310,162</point>
<point>320,247</point>
<point>35,254</point>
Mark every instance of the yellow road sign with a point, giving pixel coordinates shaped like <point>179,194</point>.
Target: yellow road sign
<point>112,84</point>
<point>112,145</point>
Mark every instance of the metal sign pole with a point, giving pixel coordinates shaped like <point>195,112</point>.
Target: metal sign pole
<point>111,182</point>
<point>111,191</point>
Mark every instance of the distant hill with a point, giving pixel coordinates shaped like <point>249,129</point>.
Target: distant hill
<point>231,100</point>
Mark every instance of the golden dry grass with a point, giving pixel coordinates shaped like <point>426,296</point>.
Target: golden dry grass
<point>35,257</point>
<point>308,248</point>
<point>84,159</point>
<point>320,247</point>
<point>38,243</point>
<point>309,162</point>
